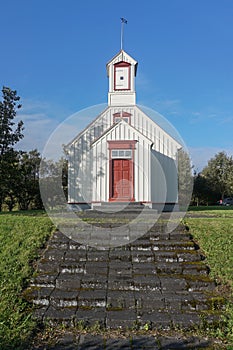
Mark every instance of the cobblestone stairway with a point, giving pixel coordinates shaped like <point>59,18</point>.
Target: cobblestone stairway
<point>158,281</point>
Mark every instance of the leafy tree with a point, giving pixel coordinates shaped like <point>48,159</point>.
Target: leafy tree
<point>10,134</point>
<point>11,179</point>
<point>54,181</point>
<point>203,194</point>
<point>219,174</point>
<point>185,178</point>
<point>28,192</point>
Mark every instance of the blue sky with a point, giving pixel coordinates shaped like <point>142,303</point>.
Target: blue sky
<point>54,52</point>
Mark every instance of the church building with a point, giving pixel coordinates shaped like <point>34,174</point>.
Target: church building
<point>123,155</point>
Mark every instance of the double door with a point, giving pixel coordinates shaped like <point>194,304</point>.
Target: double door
<point>122,180</point>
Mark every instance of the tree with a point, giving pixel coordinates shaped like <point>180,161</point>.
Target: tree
<point>54,182</point>
<point>11,178</point>
<point>219,174</point>
<point>203,194</point>
<point>10,134</point>
<point>185,179</point>
<point>28,192</point>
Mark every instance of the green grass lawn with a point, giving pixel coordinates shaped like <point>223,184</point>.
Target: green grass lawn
<point>22,235</point>
<point>212,228</point>
<point>215,237</point>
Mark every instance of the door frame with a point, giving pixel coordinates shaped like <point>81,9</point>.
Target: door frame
<point>116,145</point>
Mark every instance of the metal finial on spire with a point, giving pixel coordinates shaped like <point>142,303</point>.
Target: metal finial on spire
<point>123,21</point>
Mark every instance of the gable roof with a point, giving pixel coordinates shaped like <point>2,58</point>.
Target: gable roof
<point>122,56</point>
<point>130,127</point>
<point>162,123</point>
<point>86,128</point>
<point>149,114</point>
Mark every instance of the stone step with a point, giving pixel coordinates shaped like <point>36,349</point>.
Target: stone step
<point>186,262</point>
<point>125,213</point>
<point>136,256</point>
<point>185,268</point>
<point>117,206</point>
<point>155,234</point>
<point>144,248</point>
<point>70,275</point>
<point>136,281</point>
<point>160,280</point>
<point>168,256</point>
<point>125,203</point>
<point>154,245</point>
<point>116,300</point>
<point>126,319</point>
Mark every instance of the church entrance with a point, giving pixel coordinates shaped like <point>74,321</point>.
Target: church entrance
<point>122,184</point>
<point>121,170</point>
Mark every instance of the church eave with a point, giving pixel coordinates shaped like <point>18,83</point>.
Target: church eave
<point>75,139</point>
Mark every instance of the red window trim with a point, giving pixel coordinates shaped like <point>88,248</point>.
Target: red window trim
<point>122,144</point>
<point>122,64</point>
<point>123,115</point>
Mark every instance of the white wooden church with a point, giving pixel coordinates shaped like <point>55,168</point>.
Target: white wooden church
<point>123,155</point>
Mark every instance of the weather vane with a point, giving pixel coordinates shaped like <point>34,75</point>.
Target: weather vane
<point>123,21</point>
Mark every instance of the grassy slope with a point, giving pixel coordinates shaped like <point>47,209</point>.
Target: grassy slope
<point>21,237</point>
<point>215,238</point>
<point>214,233</point>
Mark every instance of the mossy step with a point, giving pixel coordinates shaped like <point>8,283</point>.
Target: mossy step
<point>146,243</point>
<point>180,256</point>
<point>195,268</point>
<point>174,245</point>
<point>173,236</point>
<point>170,303</point>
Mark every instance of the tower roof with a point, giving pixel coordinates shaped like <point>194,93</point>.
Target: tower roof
<point>122,56</point>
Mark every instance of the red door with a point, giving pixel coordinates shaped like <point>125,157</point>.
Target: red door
<point>122,186</point>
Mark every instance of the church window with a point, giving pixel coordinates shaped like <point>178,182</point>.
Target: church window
<point>122,153</point>
<point>117,117</point>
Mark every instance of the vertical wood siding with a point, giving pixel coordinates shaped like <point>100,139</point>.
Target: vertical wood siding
<point>152,165</point>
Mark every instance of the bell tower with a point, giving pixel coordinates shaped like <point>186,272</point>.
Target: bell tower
<point>121,72</point>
